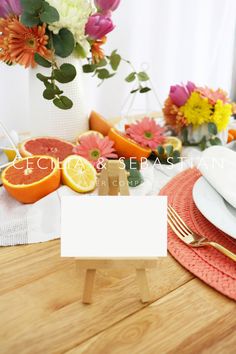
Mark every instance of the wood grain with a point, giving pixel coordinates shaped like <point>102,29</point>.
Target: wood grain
<point>40,300</point>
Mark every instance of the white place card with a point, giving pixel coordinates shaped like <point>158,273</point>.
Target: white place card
<point>114,227</point>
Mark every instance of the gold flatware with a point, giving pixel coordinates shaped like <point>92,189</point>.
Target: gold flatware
<point>191,238</point>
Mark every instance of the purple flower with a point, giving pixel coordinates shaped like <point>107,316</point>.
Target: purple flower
<point>179,94</point>
<point>98,26</point>
<point>105,6</point>
<point>10,7</point>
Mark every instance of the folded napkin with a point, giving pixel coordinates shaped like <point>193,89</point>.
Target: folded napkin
<point>40,222</point>
<point>218,166</point>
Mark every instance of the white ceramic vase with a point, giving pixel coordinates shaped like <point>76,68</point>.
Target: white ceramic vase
<point>48,120</point>
<point>195,135</point>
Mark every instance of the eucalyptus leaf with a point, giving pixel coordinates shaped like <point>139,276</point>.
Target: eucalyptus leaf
<point>133,91</point>
<point>215,141</point>
<point>203,144</point>
<point>142,76</point>
<point>29,20</point>
<point>160,150</point>
<point>131,77</point>
<point>31,6</point>
<point>115,61</point>
<point>63,43</point>
<point>41,77</point>
<point>89,68</point>
<point>65,74</point>
<point>63,102</point>
<point>212,128</point>
<point>144,89</point>
<point>48,94</point>
<point>169,150</point>
<point>79,51</point>
<point>103,74</point>
<point>49,14</point>
<point>42,61</point>
<point>101,63</point>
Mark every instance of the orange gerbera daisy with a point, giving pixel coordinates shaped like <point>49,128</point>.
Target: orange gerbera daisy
<point>97,51</point>
<point>4,40</point>
<point>18,43</point>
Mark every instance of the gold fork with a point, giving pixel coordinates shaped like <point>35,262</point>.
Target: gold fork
<point>191,238</point>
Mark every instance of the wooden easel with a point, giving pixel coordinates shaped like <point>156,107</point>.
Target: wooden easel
<point>113,181</point>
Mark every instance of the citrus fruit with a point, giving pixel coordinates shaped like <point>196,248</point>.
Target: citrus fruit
<point>233,133</point>
<point>32,178</point>
<point>230,138</point>
<point>11,154</point>
<point>125,147</point>
<point>79,174</point>
<point>171,141</point>
<point>48,146</point>
<point>89,132</point>
<point>98,123</point>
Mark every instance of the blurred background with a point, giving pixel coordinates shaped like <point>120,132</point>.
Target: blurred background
<point>174,40</point>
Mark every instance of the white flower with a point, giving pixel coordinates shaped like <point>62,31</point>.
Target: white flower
<point>74,15</point>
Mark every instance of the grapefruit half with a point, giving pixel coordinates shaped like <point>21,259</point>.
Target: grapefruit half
<point>48,146</point>
<point>32,178</point>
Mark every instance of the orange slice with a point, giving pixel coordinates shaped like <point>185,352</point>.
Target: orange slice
<point>126,147</point>
<point>32,178</point>
<point>99,123</point>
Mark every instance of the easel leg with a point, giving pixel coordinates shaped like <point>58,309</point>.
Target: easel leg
<point>143,285</point>
<point>88,285</point>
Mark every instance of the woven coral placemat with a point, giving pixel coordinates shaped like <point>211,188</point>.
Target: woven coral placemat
<point>206,263</point>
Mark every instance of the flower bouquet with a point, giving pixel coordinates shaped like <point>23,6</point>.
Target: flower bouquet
<point>38,32</point>
<point>200,115</point>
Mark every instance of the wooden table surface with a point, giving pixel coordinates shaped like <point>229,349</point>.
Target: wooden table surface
<point>41,309</point>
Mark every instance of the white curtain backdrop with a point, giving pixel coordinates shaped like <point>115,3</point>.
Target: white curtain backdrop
<point>177,40</point>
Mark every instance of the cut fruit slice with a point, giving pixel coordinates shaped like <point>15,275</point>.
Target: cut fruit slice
<point>89,132</point>
<point>79,174</point>
<point>32,178</point>
<point>127,148</point>
<point>98,123</point>
<point>48,146</point>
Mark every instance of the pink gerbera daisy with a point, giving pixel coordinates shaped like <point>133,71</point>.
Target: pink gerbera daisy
<point>147,133</point>
<point>95,149</point>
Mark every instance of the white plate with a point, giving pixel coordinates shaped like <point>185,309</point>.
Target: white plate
<point>214,207</point>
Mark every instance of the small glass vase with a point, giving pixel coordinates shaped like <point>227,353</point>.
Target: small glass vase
<point>196,134</point>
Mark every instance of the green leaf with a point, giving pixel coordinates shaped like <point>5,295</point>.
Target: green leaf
<point>66,73</point>
<point>101,63</point>
<point>42,78</point>
<point>144,89</point>
<point>49,94</point>
<point>176,156</point>
<point>49,14</point>
<point>42,61</point>
<point>131,77</point>
<point>31,6</point>
<point>89,68</point>
<point>103,74</point>
<point>63,102</point>
<point>142,76</point>
<point>79,51</point>
<point>133,91</point>
<point>134,178</point>
<point>212,128</point>
<point>29,20</point>
<point>115,60</point>
<point>169,150</point>
<point>203,144</point>
<point>215,141</point>
<point>160,150</point>
<point>63,43</point>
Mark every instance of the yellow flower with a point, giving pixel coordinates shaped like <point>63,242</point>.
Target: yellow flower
<point>222,115</point>
<point>197,110</point>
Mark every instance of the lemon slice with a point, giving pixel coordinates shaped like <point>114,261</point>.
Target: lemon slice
<point>79,174</point>
<point>175,142</point>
